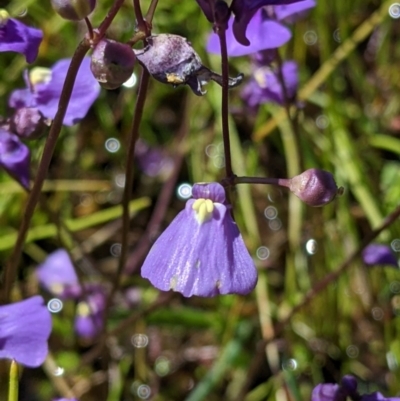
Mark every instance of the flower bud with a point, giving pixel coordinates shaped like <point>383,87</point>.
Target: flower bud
<point>14,157</point>
<point>314,187</point>
<point>28,123</point>
<point>74,10</point>
<point>172,60</point>
<point>112,63</point>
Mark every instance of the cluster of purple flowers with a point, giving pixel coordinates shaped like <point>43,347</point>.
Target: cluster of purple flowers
<point>266,32</point>
<point>36,105</point>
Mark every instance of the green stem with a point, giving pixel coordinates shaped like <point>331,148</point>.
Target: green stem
<point>13,384</point>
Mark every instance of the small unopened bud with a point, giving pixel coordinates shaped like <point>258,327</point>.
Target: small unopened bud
<point>74,10</point>
<point>172,60</point>
<point>222,12</point>
<point>28,123</point>
<point>112,63</point>
<point>314,187</point>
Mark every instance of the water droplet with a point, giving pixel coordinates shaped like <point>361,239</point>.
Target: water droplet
<point>262,253</point>
<point>391,361</point>
<point>352,351</point>
<point>395,287</point>
<point>162,366</point>
<point>395,244</point>
<point>119,180</point>
<point>290,364</point>
<point>211,151</point>
<point>184,191</point>
<point>112,145</point>
<point>143,391</point>
<point>275,224</point>
<point>377,313</point>
<point>22,13</point>
<point>131,82</point>
<point>394,10</point>
<point>55,305</point>
<point>115,250</point>
<point>336,35</point>
<point>271,212</point>
<point>310,38</point>
<point>219,161</point>
<point>322,121</point>
<point>311,247</point>
<point>58,371</point>
<point>140,340</point>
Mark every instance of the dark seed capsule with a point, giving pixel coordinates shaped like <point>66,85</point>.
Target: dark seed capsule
<point>74,10</point>
<point>172,60</point>
<point>112,63</point>
<point>28,123</point>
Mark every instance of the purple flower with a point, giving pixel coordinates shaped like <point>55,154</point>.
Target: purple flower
<point>57,275</point>
<point>202,252</point>
<point>25,327</point>
<point>152,161</point>
<point>378,254</point>
<point>14,157</point>
<point>44,90</point>
<point>346,390</point>
<point>89,313</point>
<point>265,86</point>
<point>244,11</point>
<point>263,33</point>
<point>292,12</point>
<point>19,38</point>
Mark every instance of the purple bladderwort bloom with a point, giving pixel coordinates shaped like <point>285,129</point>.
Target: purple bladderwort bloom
<point>379,254</point>
<point>265,86</point>
<point>265,31</point>
<point>25,327</point>
<point>14,157</point>
<point>44,88</point>
<point>57,275</point>
<point>243,11</point>
<point>346,390</point>
<point>202,251</point>
<point>19,38</point>
<point>89,313</point>
<point>153,161</point>
<point>291,13</point>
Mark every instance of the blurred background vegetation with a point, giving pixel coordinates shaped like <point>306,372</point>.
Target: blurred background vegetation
<point>171,348</point>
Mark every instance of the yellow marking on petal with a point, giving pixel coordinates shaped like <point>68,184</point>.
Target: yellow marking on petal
<point>56,288</point>
<point>83,309</point>
<point>260,77</point>
<point>203,209</point>
<point>4,16</point>
<point>39,75</point>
